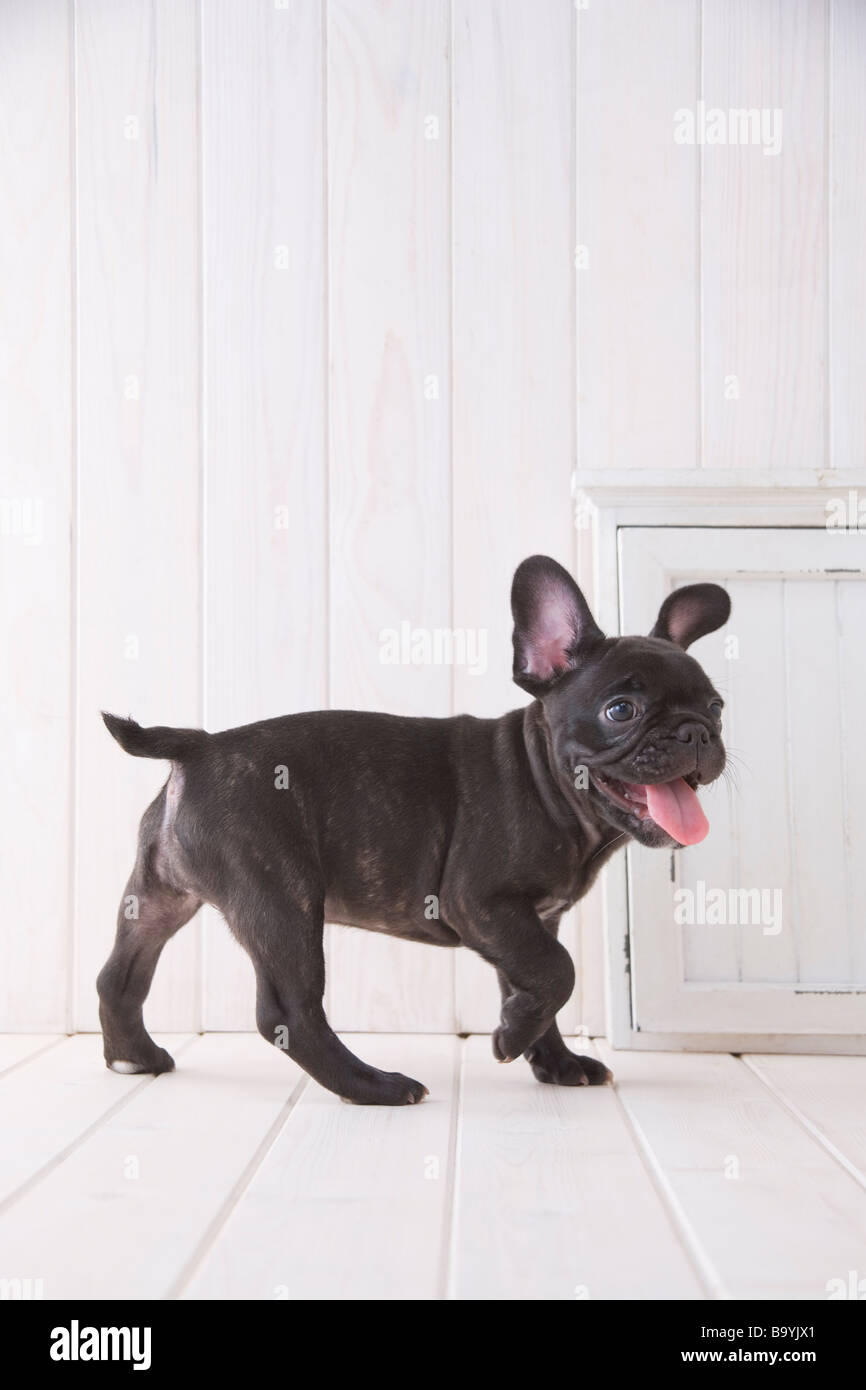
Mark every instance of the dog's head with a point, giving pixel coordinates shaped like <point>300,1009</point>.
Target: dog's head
<point>633,723</point>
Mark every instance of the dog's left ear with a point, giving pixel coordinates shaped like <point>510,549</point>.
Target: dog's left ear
<point>552,624</point>
<point>692,612</point>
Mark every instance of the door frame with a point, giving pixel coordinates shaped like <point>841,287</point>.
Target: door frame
<point>604,503</point>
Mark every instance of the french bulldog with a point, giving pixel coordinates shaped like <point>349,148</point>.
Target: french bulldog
<point>455,832</point>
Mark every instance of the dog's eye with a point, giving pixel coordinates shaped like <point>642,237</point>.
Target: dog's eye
<point>620,710</point>
<point>716,708</point>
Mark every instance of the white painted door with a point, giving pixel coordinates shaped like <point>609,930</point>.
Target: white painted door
<point>759,930</point>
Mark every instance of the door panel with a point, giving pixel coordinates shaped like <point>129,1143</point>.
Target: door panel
<point>759,930</point>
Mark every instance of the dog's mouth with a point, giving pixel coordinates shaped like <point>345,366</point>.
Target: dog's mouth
<point>673,806</point>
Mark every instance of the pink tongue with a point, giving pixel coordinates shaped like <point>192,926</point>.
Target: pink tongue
<point>675,807</point>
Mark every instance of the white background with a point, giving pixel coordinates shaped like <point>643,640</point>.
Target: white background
<point>279,371</point>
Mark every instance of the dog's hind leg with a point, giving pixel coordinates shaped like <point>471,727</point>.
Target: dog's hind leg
<point>285,940</point>
<point>150,912</point>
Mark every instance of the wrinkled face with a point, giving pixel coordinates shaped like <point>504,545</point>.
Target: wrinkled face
<point>634,723</point>
<point>637,729</point>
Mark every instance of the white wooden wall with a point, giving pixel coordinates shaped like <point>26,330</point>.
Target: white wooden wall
<point>293,347</point>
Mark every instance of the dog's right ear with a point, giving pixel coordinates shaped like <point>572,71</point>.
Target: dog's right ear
<point>552,624</point>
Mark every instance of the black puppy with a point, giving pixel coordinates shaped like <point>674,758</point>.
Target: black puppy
<point>459,832</point>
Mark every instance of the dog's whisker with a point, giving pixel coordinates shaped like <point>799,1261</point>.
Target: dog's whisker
<point>608,845</point>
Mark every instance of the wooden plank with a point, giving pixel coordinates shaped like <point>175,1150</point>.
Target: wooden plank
<point>638,272</point>
<point>850,626</point>
<point>761,815</point>
<point>774,1214</point>
<point>124,1210</point>
<point>825,1093</point>
<point>815,771</point>
<point>265,470</point>
<point>35,512</point>
<point>514,346</point>
<point>711,952</point>
<point>589,1009</point>
<point>589,1001</point>
<point>553,1200</point>
<point>51,1102</point>
<point>513,317</point>
<point>138,387</point>
<point>351,1202</point>
<point>847,214</point>
<point>764,239</point>
<point>16,1048</point>
<point>390,412</point>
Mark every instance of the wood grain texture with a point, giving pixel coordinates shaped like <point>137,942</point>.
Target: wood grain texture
<point>851,654</point>
<point>559,1205</point>
<point>638,275</point>
<point>153,1176</point>
<point>16,1048</point>
<point>390,410</point>
<point>764,239</point>
<point>53,1100</point>
<point>696,1176</point>
<point>138,378</point>
<point>36,521</point>
<point>739,1167</point>
<point>847,214</point>
<point>373,1184</point>
<point>514,351</point>
<point>825,1093</point>
<point>265,467</point>
<point>715,954</point>
<point>818,916</point>
<point>759,737</point>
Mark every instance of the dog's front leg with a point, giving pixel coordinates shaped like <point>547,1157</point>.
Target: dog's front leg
<point>535,971</point>
<point>552,1061</point>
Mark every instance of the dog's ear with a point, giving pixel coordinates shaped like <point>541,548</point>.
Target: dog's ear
<point>552,623</point>
<point>692,612</point>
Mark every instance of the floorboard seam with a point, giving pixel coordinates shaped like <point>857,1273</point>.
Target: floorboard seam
<point>705,1272</point>
<point>455,1137</point>
<point>61,1156</point>
<point>31,1056</point>
<point>231,1202</point>
<point>803,1120</point>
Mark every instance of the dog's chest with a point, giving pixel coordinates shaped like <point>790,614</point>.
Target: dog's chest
<point>568,869</point>
<point>551,908</point>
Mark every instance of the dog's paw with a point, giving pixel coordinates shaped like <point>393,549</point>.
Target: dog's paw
<point>567,1069</point>
<point>504,1046</point>
<point>154,1063</point>
<point>387,1088</point>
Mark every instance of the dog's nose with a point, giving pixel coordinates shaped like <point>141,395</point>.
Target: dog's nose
<point>692,732</point>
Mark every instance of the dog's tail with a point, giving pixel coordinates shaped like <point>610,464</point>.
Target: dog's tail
<point>158,742</point>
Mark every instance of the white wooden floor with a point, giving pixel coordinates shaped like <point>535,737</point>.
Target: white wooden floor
<point>696,1176</point>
